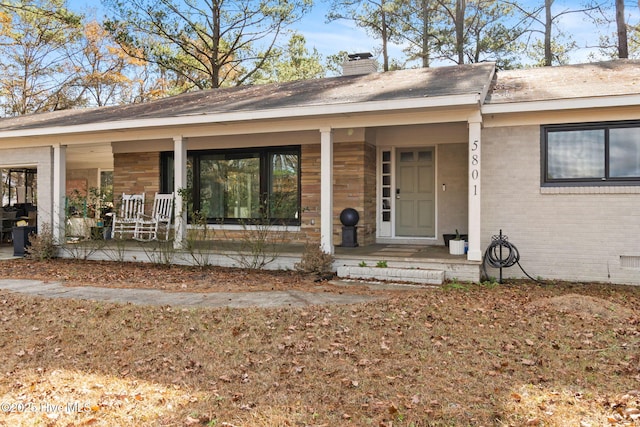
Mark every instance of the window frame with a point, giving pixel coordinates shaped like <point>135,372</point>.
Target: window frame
<point>607,180</point>
<point>263,154</point>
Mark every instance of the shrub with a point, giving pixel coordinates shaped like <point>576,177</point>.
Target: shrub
<point>314,260</point>
<point>42,245</point>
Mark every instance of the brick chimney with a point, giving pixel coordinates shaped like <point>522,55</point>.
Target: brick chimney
<point>359,63</point>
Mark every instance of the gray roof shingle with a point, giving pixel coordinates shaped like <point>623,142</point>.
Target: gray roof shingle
<point>619,77</point>
<point>390,86</point>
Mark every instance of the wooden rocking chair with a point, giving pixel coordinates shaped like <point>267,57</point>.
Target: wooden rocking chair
<point>148,227</point>
<point>131,207</point>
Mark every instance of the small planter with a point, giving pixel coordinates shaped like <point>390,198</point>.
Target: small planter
<point>456,247</point>
<point>449,237</point>
<point>80,227</point>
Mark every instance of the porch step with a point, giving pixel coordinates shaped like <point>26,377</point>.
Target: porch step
<point>411,275</point>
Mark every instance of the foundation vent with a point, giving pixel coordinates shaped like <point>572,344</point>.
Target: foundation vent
<point>630,262</point>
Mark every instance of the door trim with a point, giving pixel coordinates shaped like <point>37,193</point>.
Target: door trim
<point>386,230</point>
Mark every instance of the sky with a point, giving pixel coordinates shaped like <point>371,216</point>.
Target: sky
<point>327,38</point>
<point>330,38</point>
<point>343,35</point>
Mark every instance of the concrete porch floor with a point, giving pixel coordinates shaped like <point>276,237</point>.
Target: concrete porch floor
<point>395,256</point>
<point>6,251</point>
<point>380,250</point>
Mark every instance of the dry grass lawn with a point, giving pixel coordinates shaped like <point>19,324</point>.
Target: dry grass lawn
<point>459,355</point>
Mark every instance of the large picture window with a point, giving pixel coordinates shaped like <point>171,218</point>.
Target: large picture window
<point>593,154</point>
<point>241,186</point>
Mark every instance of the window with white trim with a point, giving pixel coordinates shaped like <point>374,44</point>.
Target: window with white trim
<point>591,154</point>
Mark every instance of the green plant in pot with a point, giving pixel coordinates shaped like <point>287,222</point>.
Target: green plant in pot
<point>456,246</point>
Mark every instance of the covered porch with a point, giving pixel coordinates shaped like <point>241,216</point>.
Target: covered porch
<point>361,142</point>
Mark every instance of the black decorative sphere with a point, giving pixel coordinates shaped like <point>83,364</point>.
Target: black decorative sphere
<point>349,217</point>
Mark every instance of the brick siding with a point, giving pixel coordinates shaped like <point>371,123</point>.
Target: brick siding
<point>565,234</point>
<point>354,187</point>
<point>354,184</point>
<point>354,177</point>
<point>136,173</point>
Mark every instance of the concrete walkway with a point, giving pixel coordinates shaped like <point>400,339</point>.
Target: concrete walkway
<point>269,299</point>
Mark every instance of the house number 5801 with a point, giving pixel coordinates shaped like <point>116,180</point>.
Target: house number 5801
<point>475,161</point>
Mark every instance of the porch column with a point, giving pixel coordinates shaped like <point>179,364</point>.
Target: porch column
<point>475,132</point>
<point>59,189</point>
<point>326,190</point>
<point>180,183</point>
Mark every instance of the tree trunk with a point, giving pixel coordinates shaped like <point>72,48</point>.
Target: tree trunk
<point>215,44</point>
<point>460,12</point>
<point>548,55</point>
<point>425,34</point>
<point>385,35</point>
<point>623,48</point>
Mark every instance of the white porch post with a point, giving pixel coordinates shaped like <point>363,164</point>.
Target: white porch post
<point>326,190</point>
<point>180,182</point>
<point>475,132</point>
<point>59,189</point>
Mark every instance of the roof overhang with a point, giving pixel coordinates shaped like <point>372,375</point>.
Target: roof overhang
<point>313,111</point>
<point>562,104</point>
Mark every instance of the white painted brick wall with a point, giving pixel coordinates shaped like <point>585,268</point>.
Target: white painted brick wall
<point>42,159</point>
<point>572,234</point>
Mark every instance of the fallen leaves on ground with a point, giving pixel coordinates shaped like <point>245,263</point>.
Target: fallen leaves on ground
<point>171,278</point>
<point>506,355</point>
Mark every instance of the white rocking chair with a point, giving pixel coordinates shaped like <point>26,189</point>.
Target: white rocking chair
<point>148,227</point>
<point>132,206</point>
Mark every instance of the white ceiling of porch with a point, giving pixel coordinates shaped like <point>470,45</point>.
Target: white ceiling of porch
<point>90,156</point>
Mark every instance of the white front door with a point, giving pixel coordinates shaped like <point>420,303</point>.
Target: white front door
<point>415,192</point>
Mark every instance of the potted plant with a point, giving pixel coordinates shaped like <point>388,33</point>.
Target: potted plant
<point>456,246</point>
<point>447,237</point>
<point>88,213</point>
